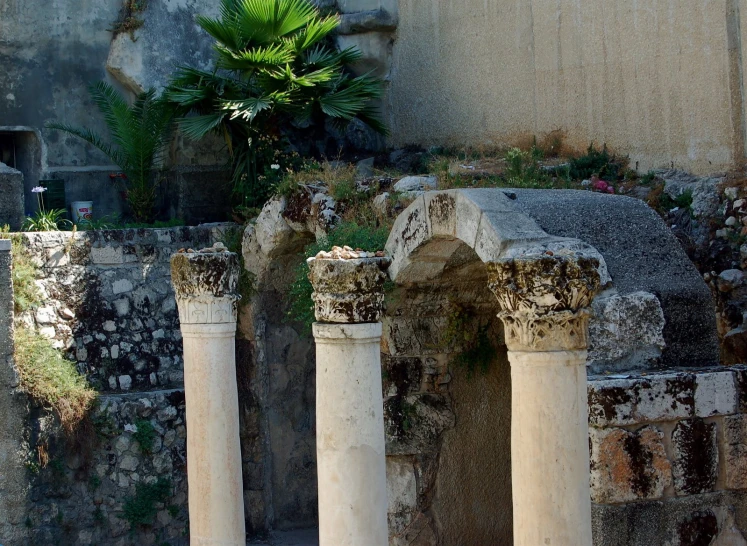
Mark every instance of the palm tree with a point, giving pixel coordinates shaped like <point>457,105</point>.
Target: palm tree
<point>139,134</point>
<point>275,65</point>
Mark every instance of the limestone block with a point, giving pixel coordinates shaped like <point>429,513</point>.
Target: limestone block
<point>352,6</point>
<point>735,451</point>
<point>627,466</point>
<point>121,286</point>
<point>414,424</point>
<point>401,492</point>
<point>704,190</point>
<point>628,328</point>
<point>442,216</point>
<point>416,183</point>
<point>45,315</point>
<point>108,255</point>
<point>715,394</point>
<point>612,402</point>
<point>666,397</point>
<point>695,450</point>
<point>376,50</point>
<point>272,232</point>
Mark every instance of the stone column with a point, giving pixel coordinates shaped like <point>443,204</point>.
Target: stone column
<point>544,302</point>
<point>350,446</point>
<point>205,284</point>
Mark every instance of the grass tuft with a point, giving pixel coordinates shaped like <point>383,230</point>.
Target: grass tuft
<point>52,380</point>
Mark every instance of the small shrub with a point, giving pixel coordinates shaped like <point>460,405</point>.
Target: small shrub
<point>145,435</point>
<point>24,273</point>
<point>347,233</point>
<point>595,161</point>
<point>52,380</point>
<point>523,169</point>
<point>141,509</point>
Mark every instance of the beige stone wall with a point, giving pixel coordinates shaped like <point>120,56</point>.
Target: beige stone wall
<point>659,80</point>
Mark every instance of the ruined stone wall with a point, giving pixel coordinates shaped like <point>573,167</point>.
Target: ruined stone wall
<point>108,304</point>
<point>668,455</point>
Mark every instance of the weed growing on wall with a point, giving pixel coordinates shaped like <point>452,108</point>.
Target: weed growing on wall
<point>52,380</point>
<point>141,509</point>
<point>348,233</point>
<point>129,20</point>
<point>145,436</point>
<point>24,273</point>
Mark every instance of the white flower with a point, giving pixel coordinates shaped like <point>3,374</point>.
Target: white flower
<point>38,189</point>
<point>274,166</point>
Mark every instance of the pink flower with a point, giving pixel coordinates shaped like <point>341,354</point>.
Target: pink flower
<point>610,189</point>
<point>600,185</point>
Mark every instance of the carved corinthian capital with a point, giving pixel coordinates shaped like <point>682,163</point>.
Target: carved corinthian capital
<point>206,283</point>
<point>348,290</point>
<point>544,300</point>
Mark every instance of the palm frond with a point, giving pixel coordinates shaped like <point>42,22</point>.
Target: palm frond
<point>196,127</point>
<point>256,58</point>
<point>315,31</point>
<point>247,109</point>
<point>90,137</point>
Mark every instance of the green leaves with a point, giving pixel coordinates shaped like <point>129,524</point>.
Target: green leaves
<point>139,134</point>
<point>276,68</point>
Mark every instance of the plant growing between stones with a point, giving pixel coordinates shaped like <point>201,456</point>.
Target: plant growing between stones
<point>276,71</point>
<point>139,135</point>
<point>145,436</point>
<point>24,273</point>
<point>128,18</point>
<point>141,509</point>
<point>52,380</point>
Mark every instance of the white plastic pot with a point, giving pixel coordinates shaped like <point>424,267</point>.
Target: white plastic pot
<point>82,210</point>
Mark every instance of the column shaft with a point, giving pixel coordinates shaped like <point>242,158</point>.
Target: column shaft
<point>550,449</point>
<point>351,463</point>
<point>216,506</point>
<point>205,285</point>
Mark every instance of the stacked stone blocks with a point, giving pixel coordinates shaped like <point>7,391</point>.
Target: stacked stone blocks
<point>668,434</point>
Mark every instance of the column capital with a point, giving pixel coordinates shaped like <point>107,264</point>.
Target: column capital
<point>348,290</point>
<point>205,284</point>
<point>545,299</point>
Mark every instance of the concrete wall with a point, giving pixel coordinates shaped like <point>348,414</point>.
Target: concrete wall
<point>660,81</point>
<point>50,57</point>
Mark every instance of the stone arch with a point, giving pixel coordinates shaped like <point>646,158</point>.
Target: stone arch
<point>431,233</point>
<point>441,247</point>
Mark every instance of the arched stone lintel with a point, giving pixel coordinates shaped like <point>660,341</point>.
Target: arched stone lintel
<point>429,231</point>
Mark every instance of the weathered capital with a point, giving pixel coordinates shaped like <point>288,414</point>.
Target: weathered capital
<point>205,283</point>
<point>348,290</point>
<point>544,300</point>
